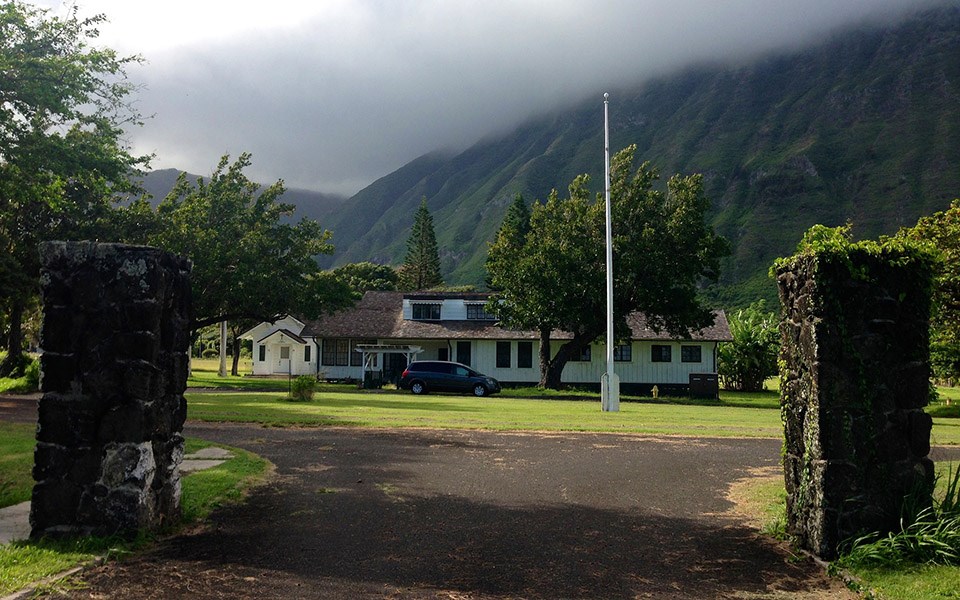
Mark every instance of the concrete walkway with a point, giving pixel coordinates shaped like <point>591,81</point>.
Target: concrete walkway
<point>15,520</point>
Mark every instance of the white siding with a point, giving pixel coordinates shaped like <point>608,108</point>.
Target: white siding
<point>640,369</point>
<point>453,310</point>
<point>269,366</point>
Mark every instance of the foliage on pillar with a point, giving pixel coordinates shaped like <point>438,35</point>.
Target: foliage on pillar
<point>855,368</point>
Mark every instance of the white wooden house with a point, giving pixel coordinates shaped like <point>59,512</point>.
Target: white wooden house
<point>279,349</point>
<point>387,329</point>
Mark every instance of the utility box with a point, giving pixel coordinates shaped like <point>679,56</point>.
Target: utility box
<point>372,380</point>
<point>704,385</point>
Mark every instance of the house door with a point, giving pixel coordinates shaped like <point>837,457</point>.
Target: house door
<point>394,364</point>
<point>283,363</point>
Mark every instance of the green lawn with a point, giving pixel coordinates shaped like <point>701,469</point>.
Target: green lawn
<point>16,462</point>
<point>22,563</point>
<point>395,409</point>
<point>734,415</point>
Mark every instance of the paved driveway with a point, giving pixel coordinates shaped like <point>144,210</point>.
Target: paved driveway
<point>464,514</point>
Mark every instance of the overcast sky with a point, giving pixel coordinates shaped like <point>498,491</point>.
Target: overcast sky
<point>332,94</point>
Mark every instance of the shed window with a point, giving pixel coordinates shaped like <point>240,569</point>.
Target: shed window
<point>524,355</point>
<point>463,352</point>
<point>262,353</point>
<point>690,354</point>
<point>284,352</point>
<point>306,353</point>
<point>503,355</point>
<point>660,353</point>
<point>623,353</point>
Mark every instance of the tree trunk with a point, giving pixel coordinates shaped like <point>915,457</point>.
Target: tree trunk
<point>544,358</point>
<point>551,369</point>
<point>13,365</point>
<point>235,367</point>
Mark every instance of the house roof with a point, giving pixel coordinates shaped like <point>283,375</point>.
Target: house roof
<point>248,334</point>
<point>379,315</point>
<point>285,332</point>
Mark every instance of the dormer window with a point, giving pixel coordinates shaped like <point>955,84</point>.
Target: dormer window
<point>426,312</point>
<point>477,312</point>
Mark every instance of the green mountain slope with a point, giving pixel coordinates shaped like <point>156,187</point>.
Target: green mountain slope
<point>862,127</point>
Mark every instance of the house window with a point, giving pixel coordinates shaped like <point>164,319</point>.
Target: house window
<point>306,353</point>
<point>623,353</point>
<point>690,354</point>
<point>443,354</point>
<point>584,355</point>
<point>356,358</point>
<point>426,312</point>
<point>503,355</point>
<point>335,352</point>
<point>463,352</point>
<point>262,353</point>
<point>477,312</point>
<point>660,353</point>
<point>284,352</point>
<point>524,355</point>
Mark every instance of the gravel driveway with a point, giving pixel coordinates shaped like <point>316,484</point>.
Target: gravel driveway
<point>467,514</point>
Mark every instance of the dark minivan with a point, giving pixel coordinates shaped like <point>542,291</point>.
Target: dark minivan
<point>443,376</point>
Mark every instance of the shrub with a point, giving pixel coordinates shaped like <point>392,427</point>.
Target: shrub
<point>302,388</point>
<point>932,536</point>
<point>752,355</point>
<point>32,373</point>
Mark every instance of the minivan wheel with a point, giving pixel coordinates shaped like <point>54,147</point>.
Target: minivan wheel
<point>417,387</point>
<point>479,390</point>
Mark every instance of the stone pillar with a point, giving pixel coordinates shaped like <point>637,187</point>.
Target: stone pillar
<point>113,372</point>
<point>855,378</point>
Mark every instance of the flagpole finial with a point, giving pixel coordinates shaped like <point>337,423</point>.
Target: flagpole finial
<point>606,96</point>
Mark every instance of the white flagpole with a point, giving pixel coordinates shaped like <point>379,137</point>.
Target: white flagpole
<point>609,382</point>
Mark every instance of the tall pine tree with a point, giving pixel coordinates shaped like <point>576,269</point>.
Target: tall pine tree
<point>510,239</point>
<point>421,267</point>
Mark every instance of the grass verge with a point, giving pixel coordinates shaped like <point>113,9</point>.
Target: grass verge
<point>761,500</point>
<point>16,462</point>
<point>25,562</point>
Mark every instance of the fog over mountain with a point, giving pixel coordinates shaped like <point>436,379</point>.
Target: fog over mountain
<point>332,95</point>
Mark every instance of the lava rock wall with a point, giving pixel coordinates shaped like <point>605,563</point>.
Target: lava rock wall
<point>854,380</point>
<point>114,366</point>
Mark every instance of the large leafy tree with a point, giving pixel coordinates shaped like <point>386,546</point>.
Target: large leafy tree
<point>63,102</point>
<point>366,276</point>
<point>751,357</point>
<point>554,280</point>
<point>941,231</point>
<point>421,267</point>
<point>248,263</point>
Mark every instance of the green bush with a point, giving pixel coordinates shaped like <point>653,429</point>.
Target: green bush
<point>302,388</point>
<point>751,357</point>
<point>32,373</point>
<point>932,536</point>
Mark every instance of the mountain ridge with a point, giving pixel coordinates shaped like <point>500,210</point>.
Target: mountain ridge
<point>862,127</point>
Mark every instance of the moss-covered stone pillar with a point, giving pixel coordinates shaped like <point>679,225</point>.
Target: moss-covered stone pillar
<point>854,381</point>
<point>113,372</point>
